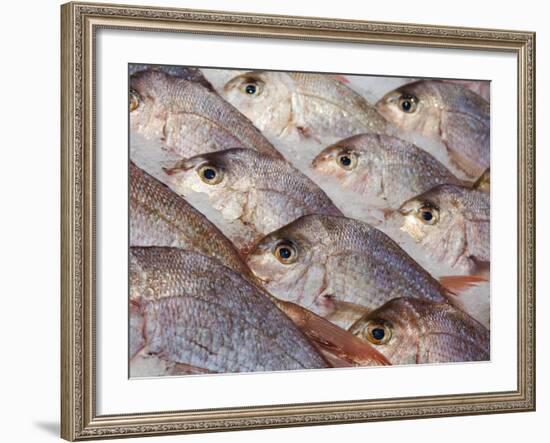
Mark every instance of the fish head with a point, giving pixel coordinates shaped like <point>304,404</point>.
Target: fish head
<point>393,330</point>
<point>289,262</point>
<point>220,175</point>
<point>354,162</point>
<point>412,108</point>
<point>147,95</point>
<point>431,214</point>
<point>339,160</point>
<point>263,97</point>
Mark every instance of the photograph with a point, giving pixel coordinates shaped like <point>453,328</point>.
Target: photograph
<point>288,220</point>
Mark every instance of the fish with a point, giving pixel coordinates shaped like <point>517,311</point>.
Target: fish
<point>256,192</point>
<point>339,268</point>
<point>160,217</point>
<point>187,72</point>
<point>452,224</point>
<point>416,331</point>
<point>383,167</point>
<point>198,313</point>
<point>445,112</point>
<point>297,106</point>
<point>187,118</point>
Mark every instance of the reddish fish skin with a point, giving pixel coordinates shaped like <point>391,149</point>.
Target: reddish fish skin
<point>421,331</point>
<point>187,118</point>
<point>197,312</point>
<point>255,194</point>
<point>382,166</point>
<point>333,262</point>
<point>160,217</point>
<point>457,229</point>
<point>445,112</point>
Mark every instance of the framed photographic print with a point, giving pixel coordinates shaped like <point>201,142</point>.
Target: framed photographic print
<point>281,221</point>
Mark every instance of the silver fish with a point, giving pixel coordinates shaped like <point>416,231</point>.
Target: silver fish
<point>160,217</point>
<point>445,112</point>
<point>452,224</point>
<point>298,105</point>
<point>331,264</point>
<point>199,313</point>
<point>188,118</point>
<point>257,192</point>
<point>382,166</point>
<point>412,331</point>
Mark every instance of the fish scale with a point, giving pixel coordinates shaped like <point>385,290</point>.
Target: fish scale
<point>174,107</point>
<point>198,312</point>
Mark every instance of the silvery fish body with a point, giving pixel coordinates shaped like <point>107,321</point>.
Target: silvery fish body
<point>325,262</point>
<point>452,224</point>
<point>445,112</point>
<point>256,192</point>
<point>299,105</point>
<point>160,217</point>
<point>411,331</point>
<point>197,313</point>
<point>382,166</point>
<point>188,118</point>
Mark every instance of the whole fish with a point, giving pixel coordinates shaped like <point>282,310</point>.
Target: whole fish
<point>160,217</point>
<point>257,192</point>
<point>445,112</point>
<point>411,331</point>
<point>452,224</point>
<point>187,118</point>
<point>187,72</point>
<point>198,313</point>
<point>383,167</point>
<point>332,265</point>
<point>299,105</point>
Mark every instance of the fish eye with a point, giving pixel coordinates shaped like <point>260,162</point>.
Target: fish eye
<point>347,160</point>
<point>408,103</point>
<point>378,332</point>
<point>210,174</point>
<point>285,252</point>
<point>428,214</point>
<point>134,99</point>
<point>252,87</point>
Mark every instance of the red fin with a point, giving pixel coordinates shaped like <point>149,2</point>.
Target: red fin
<point>459,283</point>
<point>341,344</point>
<point>341,79</point>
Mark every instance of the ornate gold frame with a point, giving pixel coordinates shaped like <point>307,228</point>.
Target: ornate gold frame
<point>79,420</point>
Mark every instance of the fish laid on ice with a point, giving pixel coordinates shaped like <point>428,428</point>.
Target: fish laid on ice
<point>197,313</point>
<point>338,267</point>
<point>445,112</point>
<point>382,167</point>
<point>160,217</point>
<point>299,105</point>
<point>257,192</point>
<point>188,118</point>
<point>452,224</point>
<point>411,331</point>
